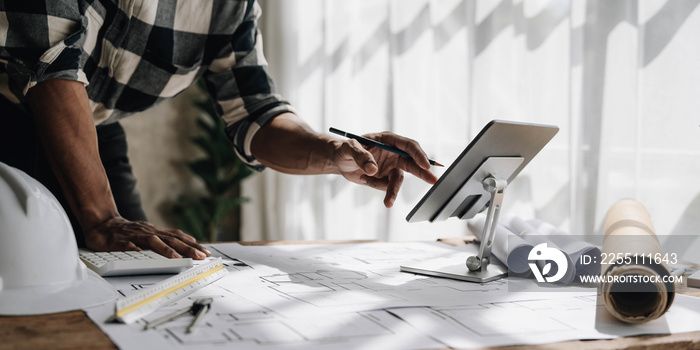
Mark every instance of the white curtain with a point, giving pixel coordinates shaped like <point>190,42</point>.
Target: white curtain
<point>620,79</point>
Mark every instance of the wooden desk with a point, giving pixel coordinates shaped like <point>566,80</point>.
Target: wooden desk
<point>74,330</point>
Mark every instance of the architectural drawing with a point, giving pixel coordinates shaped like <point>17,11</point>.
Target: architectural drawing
<point>354,296</point>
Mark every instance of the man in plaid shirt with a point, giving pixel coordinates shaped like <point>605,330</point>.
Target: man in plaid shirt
<point>69,70</point>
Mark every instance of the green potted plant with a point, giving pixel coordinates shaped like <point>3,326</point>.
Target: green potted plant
<point>204,216</point>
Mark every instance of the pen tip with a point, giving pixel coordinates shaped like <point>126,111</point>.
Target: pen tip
<point>438,164</point>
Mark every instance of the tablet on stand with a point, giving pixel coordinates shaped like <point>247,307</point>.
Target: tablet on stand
<point>477,181</point>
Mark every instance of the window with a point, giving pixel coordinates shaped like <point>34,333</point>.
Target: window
<point>618,77</point>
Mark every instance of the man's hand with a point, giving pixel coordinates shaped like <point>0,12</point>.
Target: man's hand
<point>65,125</point>
<point>121,234</point>
<point>381,169</point>
<point>288,144</point>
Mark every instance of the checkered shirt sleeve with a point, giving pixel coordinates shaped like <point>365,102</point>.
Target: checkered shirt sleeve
<point>242,87</point>
<point>133,54</point>
<point>39,40</point>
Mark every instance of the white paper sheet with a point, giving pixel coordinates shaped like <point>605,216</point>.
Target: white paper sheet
<point>237,322</point>
<point>233,323</point>
<point>541,322</point>
<point>337,297</point>
<point>329,279</point>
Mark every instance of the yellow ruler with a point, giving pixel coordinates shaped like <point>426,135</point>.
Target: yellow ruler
<point>138,305</point>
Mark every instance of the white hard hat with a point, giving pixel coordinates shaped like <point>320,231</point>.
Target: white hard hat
<point>40,271</point>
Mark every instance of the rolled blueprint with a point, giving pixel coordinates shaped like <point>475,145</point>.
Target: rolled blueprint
<point>507,247</point>
<point>632,265</point>
<point>576,248</point>
<point>529,234</point>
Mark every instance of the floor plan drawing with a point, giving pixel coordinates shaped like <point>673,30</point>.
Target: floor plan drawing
<point>308,277</point>
<point>237,322</point>
<point>354,296</point>
<point>539,321</point>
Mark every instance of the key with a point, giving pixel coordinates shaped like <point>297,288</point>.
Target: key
<point>199,308</point>
<point>196,309</point>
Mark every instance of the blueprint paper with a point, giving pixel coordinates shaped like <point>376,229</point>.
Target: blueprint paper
<point>348,296</point>
<point>232,326</point>
<point>571,246</point>
<point>541,322</point>
<point>236,322</point>
<point>528,233</point>
<point>328,279</point>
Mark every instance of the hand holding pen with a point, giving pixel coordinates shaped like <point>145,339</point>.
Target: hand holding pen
<point>372,143</point>
<point>393,154</point>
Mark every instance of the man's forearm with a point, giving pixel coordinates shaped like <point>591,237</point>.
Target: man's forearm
<point>289,145</point>
<point>66,127</point>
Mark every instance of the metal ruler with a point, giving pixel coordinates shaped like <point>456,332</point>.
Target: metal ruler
<point>144,302</point>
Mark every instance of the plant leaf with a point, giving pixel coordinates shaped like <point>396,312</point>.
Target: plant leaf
<point>220,170</point>
<point>206,145</point>
<point>206,170</point>
<point>225,206</point>
<point>191,218</point>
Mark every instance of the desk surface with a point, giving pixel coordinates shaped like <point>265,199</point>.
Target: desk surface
<point>74,330</point>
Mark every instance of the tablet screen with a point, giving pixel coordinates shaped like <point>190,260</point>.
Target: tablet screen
<point>497,139</point>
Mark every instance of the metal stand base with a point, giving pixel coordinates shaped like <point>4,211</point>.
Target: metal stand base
<point>456,269</point>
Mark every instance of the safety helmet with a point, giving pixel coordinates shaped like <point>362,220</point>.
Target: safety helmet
<point>40,271</point>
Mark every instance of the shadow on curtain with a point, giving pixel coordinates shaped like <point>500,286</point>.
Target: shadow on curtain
<point>618,77</point>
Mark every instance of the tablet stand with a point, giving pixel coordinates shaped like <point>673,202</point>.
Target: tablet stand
<point>490,178</point>
<point>475,181</point>
<point>480,263</point>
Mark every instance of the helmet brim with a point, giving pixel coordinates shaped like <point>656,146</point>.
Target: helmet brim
<point>89,292</point>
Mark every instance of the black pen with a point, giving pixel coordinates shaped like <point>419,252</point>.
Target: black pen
<point>369,142</point>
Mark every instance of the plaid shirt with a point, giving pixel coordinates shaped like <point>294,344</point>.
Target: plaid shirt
<point>133,54</point>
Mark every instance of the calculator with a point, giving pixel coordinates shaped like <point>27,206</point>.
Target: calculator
<point>145,262</point>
